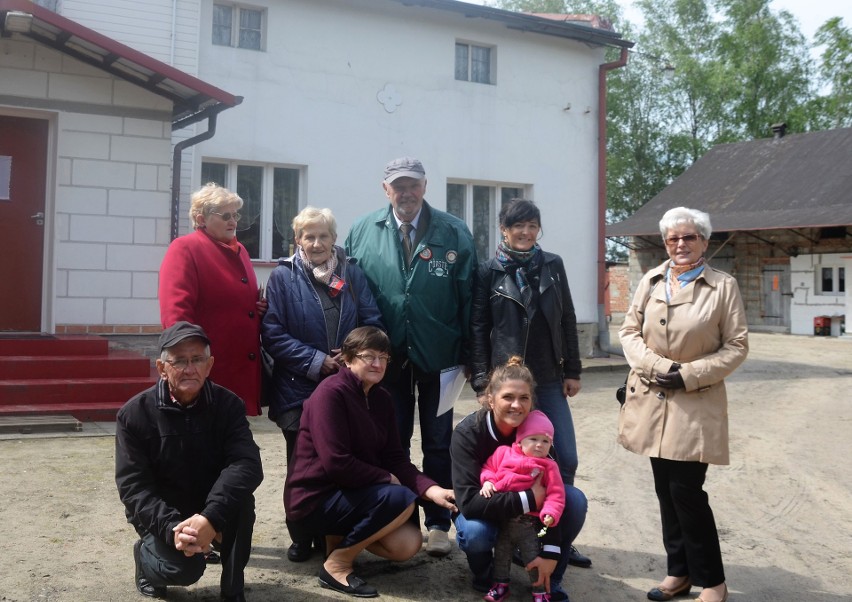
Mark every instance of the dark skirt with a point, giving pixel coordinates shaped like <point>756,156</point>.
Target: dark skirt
<point>354,514</point>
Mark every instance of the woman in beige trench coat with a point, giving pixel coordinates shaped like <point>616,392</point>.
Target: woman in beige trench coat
<point>684,333</point>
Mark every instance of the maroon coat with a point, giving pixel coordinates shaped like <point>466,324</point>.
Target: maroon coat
<point>205,282</point>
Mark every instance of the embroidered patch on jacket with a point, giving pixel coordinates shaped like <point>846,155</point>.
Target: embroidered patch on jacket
<point>439,268</point>
<point>426,254</point>
<point>452,256</point>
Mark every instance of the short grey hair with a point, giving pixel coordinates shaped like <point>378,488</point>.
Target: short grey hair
<point>164,354</point>
<point>680,216</point>
<point>310,216</point>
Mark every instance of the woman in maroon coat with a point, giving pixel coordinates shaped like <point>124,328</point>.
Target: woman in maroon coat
<point>206,278</point>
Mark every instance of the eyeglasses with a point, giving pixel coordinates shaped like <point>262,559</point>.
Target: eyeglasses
<point>369,358</point>
<point>687,238</point>
<point>227,216</point>
<point>183,364</point>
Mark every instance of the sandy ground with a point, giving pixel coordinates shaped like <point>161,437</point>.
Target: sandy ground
<point>783,507</point>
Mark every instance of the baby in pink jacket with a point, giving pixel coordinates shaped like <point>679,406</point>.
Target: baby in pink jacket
<point>516,468</point>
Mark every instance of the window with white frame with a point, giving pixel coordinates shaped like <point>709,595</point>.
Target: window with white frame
<point>477,205</point>
<point>271,199</point>
<point>239,26</point>
<point>830,280</point>
<point>474,63</point>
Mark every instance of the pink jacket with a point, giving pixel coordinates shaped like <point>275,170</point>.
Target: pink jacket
<point>510,470</point>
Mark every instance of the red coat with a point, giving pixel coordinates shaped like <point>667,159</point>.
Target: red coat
<point>205,282</point>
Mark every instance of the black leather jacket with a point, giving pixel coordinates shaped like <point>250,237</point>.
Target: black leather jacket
<point>500,326</point>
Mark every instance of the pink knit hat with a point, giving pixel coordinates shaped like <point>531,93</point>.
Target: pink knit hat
<point>536,423</point>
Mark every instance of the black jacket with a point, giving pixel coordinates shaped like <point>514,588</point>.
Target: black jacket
<point>500,325</point>
<point>172,462</point>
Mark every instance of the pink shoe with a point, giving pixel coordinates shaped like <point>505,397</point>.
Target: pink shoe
<point>498,592</point>
<point>541,597</point>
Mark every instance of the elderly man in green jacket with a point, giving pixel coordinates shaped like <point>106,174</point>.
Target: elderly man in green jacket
<point>419,262</point>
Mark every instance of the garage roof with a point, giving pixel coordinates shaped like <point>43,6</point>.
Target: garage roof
<point>792,181</point>
<point>192,98</point>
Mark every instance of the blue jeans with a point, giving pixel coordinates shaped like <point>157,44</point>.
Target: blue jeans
<point>476,538</point>
<point>435,432</point>
<point>550,400</point>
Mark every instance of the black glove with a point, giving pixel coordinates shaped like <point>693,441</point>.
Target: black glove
<point>671,380</point>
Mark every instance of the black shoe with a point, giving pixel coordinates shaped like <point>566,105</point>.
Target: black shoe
<point>142,584</point>
<point>577,559</point>
<point>212,557</point>
<point>357,587</point>
<point>240,597</point>
<point>299,551</point>
<point>558,596</point>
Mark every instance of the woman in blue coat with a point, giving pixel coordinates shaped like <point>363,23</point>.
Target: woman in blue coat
<point>316,298</point>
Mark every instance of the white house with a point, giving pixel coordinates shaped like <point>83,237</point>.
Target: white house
<point>496,104</point>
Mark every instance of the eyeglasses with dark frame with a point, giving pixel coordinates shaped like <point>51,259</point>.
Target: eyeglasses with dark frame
<point>182,363</point>
<point>687,238</point>
<point>227,216</point>
<point>370,359</point>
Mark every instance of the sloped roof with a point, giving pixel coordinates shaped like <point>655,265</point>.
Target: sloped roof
<point>795,181</point>
<point>578,29</point>
<point>192,98</point>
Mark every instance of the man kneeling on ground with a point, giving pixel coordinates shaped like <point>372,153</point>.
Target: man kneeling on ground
<point>186,467</point>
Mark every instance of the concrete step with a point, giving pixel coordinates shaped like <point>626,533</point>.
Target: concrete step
<point>116,364</point>
<point>52,345</point>
<point>84,412</point>
<point>83,391</point>
<point>26,425</point>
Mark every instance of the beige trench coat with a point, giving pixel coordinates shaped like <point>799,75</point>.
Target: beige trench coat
<point>704,329</point>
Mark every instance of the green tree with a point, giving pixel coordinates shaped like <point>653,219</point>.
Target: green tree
<point>835,70</point>
<point>766,66</point>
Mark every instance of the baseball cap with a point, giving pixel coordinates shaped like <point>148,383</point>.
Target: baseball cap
<point>179,331</point>
<point>404,167</point>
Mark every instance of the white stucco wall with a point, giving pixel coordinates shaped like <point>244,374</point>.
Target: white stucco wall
<point>311,100</point>
<point>107,217</point>
<point>806,303</point>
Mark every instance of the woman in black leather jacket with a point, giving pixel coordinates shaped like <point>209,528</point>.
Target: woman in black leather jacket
<point>522,306</point>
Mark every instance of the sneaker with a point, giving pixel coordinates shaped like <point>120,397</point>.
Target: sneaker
<point>541,597</point>
<point>499,591</point>
<point>438,543</point>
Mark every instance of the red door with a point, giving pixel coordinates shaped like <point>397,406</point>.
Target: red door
<point>23,172</point>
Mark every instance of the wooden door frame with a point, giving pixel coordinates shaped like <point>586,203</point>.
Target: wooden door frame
<point>48,287</point>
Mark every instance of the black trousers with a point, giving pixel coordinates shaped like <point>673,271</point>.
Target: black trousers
<point>689,529</point>
<point>163,565</point>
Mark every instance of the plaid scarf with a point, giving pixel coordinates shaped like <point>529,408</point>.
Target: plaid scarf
<point>325,272</point>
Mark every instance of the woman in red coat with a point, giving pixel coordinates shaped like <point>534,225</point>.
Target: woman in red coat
<point>207,279</point>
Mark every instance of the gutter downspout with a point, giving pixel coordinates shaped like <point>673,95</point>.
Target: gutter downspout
<point>603,327</point>
<point>177,161</point>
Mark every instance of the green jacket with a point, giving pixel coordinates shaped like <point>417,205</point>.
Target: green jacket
<point>425,306</point>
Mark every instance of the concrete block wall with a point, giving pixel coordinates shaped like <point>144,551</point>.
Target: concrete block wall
<point>807,304</point>
<point>108,187</point>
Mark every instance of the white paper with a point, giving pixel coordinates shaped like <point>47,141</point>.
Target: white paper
<point>452,383</point>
